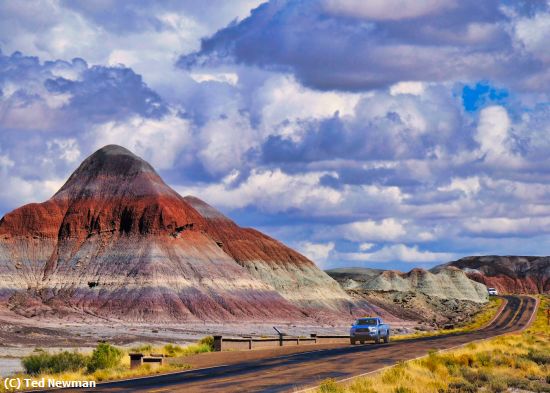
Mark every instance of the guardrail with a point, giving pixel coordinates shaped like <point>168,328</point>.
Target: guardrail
<point>243,343</point>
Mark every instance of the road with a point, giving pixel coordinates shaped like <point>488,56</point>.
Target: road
<point>306,369</point>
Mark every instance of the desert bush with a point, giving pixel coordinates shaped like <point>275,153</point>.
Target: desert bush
<point>402,389</point>
<point>43,362</point>
<point>208,341</point>
<point>538,357</point>
<point>483,359</point>
<point>461,387</point>
<point>497,385</point>
<point>172,350</point>
<point>144,348</point>
<point>433,361</point>
<point>330,386</point>
<point>103,357</point>
<point>193,349</point>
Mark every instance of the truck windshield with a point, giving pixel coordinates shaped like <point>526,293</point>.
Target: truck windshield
<point>366,322</point>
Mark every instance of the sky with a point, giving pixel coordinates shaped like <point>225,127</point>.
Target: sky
<point>388,133</point>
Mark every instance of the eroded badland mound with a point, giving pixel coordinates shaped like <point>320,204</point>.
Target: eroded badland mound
<point>116,242</point>
<point>509,274</point>
<point>447,296</point>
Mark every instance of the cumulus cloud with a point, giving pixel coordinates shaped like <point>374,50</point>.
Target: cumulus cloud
<point>354,45</point>
<point>399,253</point>
<point>317,252</point>
<point>272,191</point>
<point>158,141</point>
<point>146,36</point>
<point>505,226</point>
<point>385,230</point>
<point>492,132</point>
<point>352,132</point>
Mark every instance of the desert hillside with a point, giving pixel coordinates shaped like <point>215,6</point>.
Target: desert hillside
<point>116,242</point>
<point>440,298</point>
<point>509,274</point>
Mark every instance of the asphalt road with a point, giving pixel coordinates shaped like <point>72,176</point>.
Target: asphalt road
<point>306,369</point>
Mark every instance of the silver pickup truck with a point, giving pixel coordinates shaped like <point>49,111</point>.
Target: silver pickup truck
<point>370,328</point>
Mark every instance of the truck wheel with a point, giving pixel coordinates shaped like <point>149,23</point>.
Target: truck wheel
<point>362,341</point>
<point>387,337</point>
<point>352,341</point>
<point>377,340</point>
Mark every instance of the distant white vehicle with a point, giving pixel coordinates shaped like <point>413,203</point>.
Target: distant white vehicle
<point>492,291</point>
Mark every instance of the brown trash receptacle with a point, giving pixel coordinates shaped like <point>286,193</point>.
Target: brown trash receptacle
<point>136,360</point>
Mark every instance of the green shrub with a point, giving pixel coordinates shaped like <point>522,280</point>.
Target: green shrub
<point>104,356</point>
<point>43,362</point>
<point>402,389</point>
<point>208,341</point>
<point>172,350</point>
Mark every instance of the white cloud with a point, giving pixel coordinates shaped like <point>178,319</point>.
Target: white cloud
<point>17,191</point>
<point>317,252</point>
<point>508,226</point>
<point>223,77</point>
<point>532,34</point>
<point>411,87</point>
<point>366,246</point>
<point>398,253</point>
<point>272,191</point>
<point>281,99</point>
<point>67,149</point>
<point>469,185</point>
<point>492,132</point>
<point>386,230</point>
<point>225,142</point>
<point>158,141</point>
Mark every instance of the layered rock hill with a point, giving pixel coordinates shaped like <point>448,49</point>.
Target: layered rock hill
<point>116,242</point>
<point>509,274</point>
<point>446,297</point>
<point>447,283</point>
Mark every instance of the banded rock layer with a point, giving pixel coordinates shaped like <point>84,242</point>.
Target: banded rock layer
<point>447,283</point>
<point>116,242</point>
<point>509,274</point>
